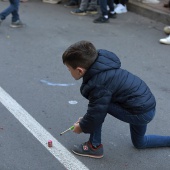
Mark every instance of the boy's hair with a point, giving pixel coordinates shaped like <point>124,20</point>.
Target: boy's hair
<point>81,54</point>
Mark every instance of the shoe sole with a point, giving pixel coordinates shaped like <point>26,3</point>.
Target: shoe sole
<point>14,26</point>
<point>52,2</point>
<point>96,22</point>
<point>121,12</point>
<point>92,13</point>
<point>164,43</point>
<point>91,156</point>
<point>80,14</point>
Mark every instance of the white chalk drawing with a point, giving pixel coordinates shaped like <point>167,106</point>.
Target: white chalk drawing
<point>56,84</point>
<point>72,102</point>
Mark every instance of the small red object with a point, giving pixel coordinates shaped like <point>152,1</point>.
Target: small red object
<point>50,143</point>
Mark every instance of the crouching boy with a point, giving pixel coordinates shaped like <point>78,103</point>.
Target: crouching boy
<point>110,90</point>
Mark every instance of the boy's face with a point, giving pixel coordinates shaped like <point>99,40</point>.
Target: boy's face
<point>76,73</point>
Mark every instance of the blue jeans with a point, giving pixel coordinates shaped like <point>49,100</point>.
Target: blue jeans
<point>12,9</point>
<point>103,6</point>
<point>138,125</point>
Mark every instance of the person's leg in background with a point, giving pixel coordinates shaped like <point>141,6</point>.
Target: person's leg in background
<point>8,10</point>
<point>111,12</point>
<point>82,9</point>
<point>16,22</point>
<point>13,9</point>
<point>105,13</point>
<point>15,15</point>
<point>92,7</point>
<point>86,7</point>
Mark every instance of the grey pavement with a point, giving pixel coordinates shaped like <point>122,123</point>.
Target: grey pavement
<point>33,53</point>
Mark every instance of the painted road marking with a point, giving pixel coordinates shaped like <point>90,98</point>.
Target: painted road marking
<point>58,150</point>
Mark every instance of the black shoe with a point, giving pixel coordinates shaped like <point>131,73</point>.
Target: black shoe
<point>86,149</point>
<point>112,15</point>
<point>101,19</point>
<point>92,11</point>
<point>78,12</point>
<point>71,4</point>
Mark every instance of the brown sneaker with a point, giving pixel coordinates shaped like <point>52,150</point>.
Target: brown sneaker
<point>86,149</point>
<point>78,12</point>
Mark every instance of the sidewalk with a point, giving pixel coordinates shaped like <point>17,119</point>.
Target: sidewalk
<point>154,11</point>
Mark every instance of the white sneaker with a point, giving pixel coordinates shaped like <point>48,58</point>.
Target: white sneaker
<point>165,40</point>
<point>52,1</point>
<point>167,29</point>
<point>120,9</point>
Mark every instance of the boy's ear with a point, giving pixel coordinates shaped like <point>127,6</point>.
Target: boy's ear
<point>80,70</point>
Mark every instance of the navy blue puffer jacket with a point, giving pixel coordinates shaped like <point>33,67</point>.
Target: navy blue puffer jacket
<point>105,83</point>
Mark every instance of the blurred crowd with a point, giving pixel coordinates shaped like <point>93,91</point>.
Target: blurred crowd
<point>108,9</point>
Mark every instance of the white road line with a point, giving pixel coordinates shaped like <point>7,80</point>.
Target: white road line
<point>58,150</point>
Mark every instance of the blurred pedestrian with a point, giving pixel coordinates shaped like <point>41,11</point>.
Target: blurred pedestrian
<point>86,7</point>
<point>12,9</point>
<point>167,39</point>
<point>106,14</point>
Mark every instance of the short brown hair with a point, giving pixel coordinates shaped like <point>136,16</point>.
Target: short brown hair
<point>81,54</point>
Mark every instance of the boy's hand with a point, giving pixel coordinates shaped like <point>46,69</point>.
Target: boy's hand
<point>77,128</point>
<point>78,121</point>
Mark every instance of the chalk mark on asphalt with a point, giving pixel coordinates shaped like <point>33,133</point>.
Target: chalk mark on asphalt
<point>56,84</point>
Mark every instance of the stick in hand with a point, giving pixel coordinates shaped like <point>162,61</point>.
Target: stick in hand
<point>71,128</point>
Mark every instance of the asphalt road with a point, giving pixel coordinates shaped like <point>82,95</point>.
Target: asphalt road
<point>31,72</point>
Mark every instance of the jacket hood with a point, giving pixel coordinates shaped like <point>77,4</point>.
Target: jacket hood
<point>106,60</point>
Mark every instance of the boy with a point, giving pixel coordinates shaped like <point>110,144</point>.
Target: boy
<point>113,90</point>
<point>12,9</point>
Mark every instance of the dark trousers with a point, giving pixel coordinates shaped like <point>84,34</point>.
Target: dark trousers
<point>123,2</point>
<point>103,6</point>
<point>138,127</point>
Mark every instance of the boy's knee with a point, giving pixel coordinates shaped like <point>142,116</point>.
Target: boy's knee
<point>138,145</point>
